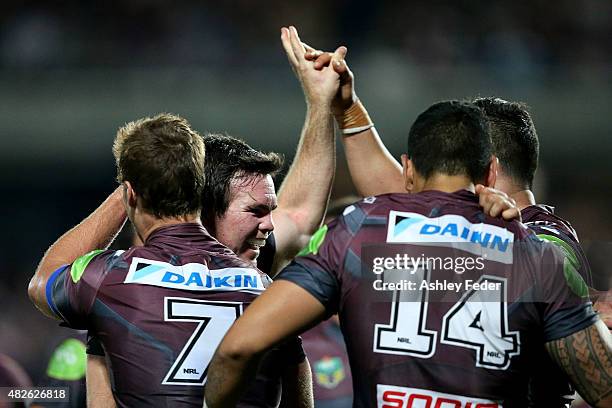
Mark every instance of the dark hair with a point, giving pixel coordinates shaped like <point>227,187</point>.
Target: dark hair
<point>451,137</point>
<point>515,141</point>
<point>227,158</point>
<point>163,159</point>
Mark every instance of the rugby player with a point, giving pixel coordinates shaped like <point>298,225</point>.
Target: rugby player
<point>515,143</point>
<point>160,309</point>
<point>240,207</point>
<point>449,356</point>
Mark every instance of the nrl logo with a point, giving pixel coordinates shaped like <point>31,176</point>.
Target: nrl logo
<point>329,372</point>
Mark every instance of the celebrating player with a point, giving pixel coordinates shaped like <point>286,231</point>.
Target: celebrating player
<point>144,304</point>
<point>515,144</point>
<point>468,352</point>
<point>239,199</point>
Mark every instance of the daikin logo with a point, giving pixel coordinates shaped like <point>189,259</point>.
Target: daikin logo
<point>479,238</point>
<point>402,223</point>
<point>192,276</point>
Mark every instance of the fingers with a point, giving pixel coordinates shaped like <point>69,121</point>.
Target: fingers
<point>296,43</point>
<point>285,39</point>
<point>311,52</point>
<point>496,208</point>
<point>496,203</point>
<point>323,60</point>
<point>339,64</point>
<point>512,214</point>
<point>341,69</point>
<point>340,53</point>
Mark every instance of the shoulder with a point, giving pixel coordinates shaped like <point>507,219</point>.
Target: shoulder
<point>95,262</point>
<point>370,211</point>
<point>543,221</point>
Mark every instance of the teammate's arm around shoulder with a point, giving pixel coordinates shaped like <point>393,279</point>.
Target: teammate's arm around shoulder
<point>96,231</point>
<point>586,358</point>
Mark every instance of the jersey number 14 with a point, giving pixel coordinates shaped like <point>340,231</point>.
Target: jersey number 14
<point>473,322</point>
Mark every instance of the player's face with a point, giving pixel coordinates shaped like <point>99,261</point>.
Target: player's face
<point>248,220</point>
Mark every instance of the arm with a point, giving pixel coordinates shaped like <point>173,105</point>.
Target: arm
<point>99,391</point>
<point>297,386</point>
<point>586,358</point>
<point>283,310</point>
<point>373,169</point>
<point>303,196</point>
<point>96,231</point>
<point>383,174</point>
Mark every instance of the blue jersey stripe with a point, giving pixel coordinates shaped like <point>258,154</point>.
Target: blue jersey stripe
<point>49,289</point>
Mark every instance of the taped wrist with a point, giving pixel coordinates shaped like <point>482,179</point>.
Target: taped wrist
<point>355,119</point>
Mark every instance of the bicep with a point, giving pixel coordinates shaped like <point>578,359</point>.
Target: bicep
<point>373,169</point>
<point>99,391</point>
<point>586,358</point>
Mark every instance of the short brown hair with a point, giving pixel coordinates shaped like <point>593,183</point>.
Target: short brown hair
<point>163,159</point>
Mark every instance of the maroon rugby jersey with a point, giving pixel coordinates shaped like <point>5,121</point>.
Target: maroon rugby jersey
<point>549,385</point>
<point>160,310</point>
<point>440,344</point>
<point>542,220</point>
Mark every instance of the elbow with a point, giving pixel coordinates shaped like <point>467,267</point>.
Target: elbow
<point>37,295</point>
<point>236,350</point>
<point>306,221</point>
<point>34,289</point>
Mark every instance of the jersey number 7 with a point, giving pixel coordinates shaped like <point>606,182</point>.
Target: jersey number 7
<point>214,319</point>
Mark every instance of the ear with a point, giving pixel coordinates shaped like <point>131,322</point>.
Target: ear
<point>408,171</point>
<point>491,176</point>
<point>129,195</point>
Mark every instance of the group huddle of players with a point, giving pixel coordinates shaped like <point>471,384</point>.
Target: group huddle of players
<point>191,316</point>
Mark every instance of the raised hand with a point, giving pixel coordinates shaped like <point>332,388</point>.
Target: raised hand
<point>346,95</point>
<point>320,85</point>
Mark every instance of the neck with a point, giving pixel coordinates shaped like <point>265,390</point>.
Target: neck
<point>523,198</point>
<point>445,183</point>
<point>147,223</point>
<point>520,193</point>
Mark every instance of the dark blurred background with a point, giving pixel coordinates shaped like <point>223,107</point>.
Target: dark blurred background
<point>72,72</point>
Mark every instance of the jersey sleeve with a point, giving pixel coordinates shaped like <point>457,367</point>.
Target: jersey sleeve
<point>72,289</point>
<point>567,308</point>
<point>568,244</point>
<point>318,267</point>
<point>94,347</point>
